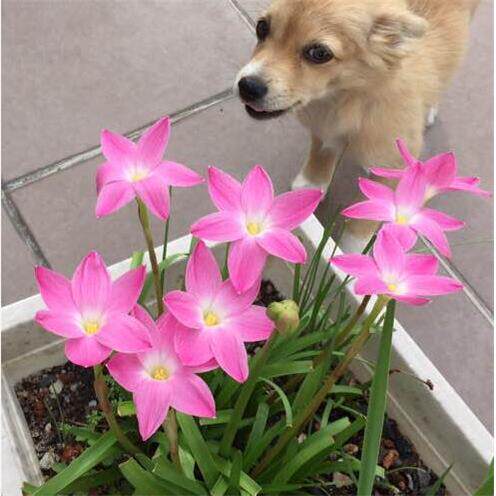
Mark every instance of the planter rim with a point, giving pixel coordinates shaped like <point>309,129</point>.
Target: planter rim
<point>461,421</point>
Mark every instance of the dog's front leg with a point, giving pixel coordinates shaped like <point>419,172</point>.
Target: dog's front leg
<point>319,167</point>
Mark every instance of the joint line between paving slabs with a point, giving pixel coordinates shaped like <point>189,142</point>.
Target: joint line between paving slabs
<point>23,230</point>
<point>79,158</point>
<point>468,289</point>
<point>243,14</point>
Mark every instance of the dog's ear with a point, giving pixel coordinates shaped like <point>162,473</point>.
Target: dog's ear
<point>393,34</point>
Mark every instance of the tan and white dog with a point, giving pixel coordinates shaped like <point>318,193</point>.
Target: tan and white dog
<point>357,73</point>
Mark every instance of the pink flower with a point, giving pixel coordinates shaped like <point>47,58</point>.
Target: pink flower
<point>393,272</point>
<point>159,380</point>
<point>218,320</point>
<point>403,210</point>
<point>439,173</point>
<point>137,170</point>
<point>91,311</point>
<point>257,223</point>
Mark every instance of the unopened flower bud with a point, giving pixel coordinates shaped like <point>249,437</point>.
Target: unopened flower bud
<point>285,315</point>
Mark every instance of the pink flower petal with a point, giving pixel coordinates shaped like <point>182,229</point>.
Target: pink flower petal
<point>152,400</point>
<point>230,353</point>
<point>193,346</point>
<point>224,190</point>
<point>117,149</point>
<point>86,351</point>
<point>185,307</point>
<point>126,290</point>
<point>55,290</point>
<point>91,285</point>
<point>432,285</point>
<point>387,173</point>
<point>124,333</point>
<point>205,367</point>
<point>356,265</point>
<point>406,236</point>
<point>417,263</point>
<point>468,184</point>
<point>245,262</point>
<point>138,312</point>
<point>163,335</point>
<point>154,193</point>
<point>252,325</point>
<point>192,396</point>
<point>151,145</point>
<point>373,210</point>
<point>108,172</point>
<point>290,209</point>
<point>57,323</point>
<point>370,285</point>
<point>203,277</point>
<point>112,197</point>
<point>257,192</point>
<point>441,169</point>
<point>283,244</point>
<point>412,300</point>
<point>219,226</point>
<point>432,232</point>
<point>127,370</point>
<point>178,175</point>
<point>444,221</point>
<point>389,255</point>
<point>231,302</point>
<point>375,191</point>
<point>408,158</point>
<point>410,192</point>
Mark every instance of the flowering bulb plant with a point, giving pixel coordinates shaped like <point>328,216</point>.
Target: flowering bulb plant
<point>216,391</point>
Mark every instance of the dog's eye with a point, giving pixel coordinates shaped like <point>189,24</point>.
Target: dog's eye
<point>318,54</point>
<point>262,29</point>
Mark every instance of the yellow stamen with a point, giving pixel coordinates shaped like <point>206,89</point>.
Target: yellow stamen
<point>160,373</point>
<point>91,327</point>
<point>392,287</point>
<point>138,175</point>
<point>401,219</point>
<point>253,228</point>
<point>211,319</point>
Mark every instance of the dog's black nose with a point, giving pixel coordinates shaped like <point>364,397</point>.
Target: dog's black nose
<point>251,88</point>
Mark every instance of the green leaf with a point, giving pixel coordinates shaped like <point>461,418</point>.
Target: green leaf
<point>234,476</point>
<point>326,413</point>
<point>222,417</point>
<point>162,266</point>
<point>165,470</point>
<point>287,368</point>
<point>78,467</point>
<point>137,259</point>
<point>246,483</point>
<point>317,443</point>
<point>377,406</point>
<point>187,463</point>
<point>487,488</point>
<point>91,480</point>
<point>145,482</point>
<point>356,426</point>
<point>199,448</point>
<point>220,487</point>
<point>126,409</point>
<point>431,491</point>
<point>258,428</point>
<point>284,399</point>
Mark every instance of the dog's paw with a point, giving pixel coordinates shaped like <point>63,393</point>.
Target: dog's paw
<point>301,182</point>
<point>431,116</point>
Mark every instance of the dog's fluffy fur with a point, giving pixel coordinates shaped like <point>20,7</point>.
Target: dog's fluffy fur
<point>392,59</point>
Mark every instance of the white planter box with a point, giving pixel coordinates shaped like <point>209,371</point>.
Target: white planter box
<point>439,423</point>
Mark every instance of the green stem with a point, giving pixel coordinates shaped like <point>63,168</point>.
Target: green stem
<point>244,396</point>
<point>343,335</point>
<point>145,224</point>
<point>377,406</point>
<point>170,428</point>
<point>101,391</point>
<point>166,241</point>
<point>302,419</point>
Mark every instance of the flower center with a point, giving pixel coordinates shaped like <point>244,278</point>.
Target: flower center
<point>137,174</point>
<point>253,228</point>
<point>210,319</point>
<point>160,373</point>
<point>392,287</point>
<point>91,327</point>
<point>401,219</point>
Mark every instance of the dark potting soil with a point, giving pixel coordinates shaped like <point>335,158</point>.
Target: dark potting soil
<point>64,395</point>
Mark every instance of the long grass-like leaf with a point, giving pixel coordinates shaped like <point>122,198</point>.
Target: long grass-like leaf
<point>432,491</point>
<point>487,488</point>
<point>377,406</point>
<point>284,400</point>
